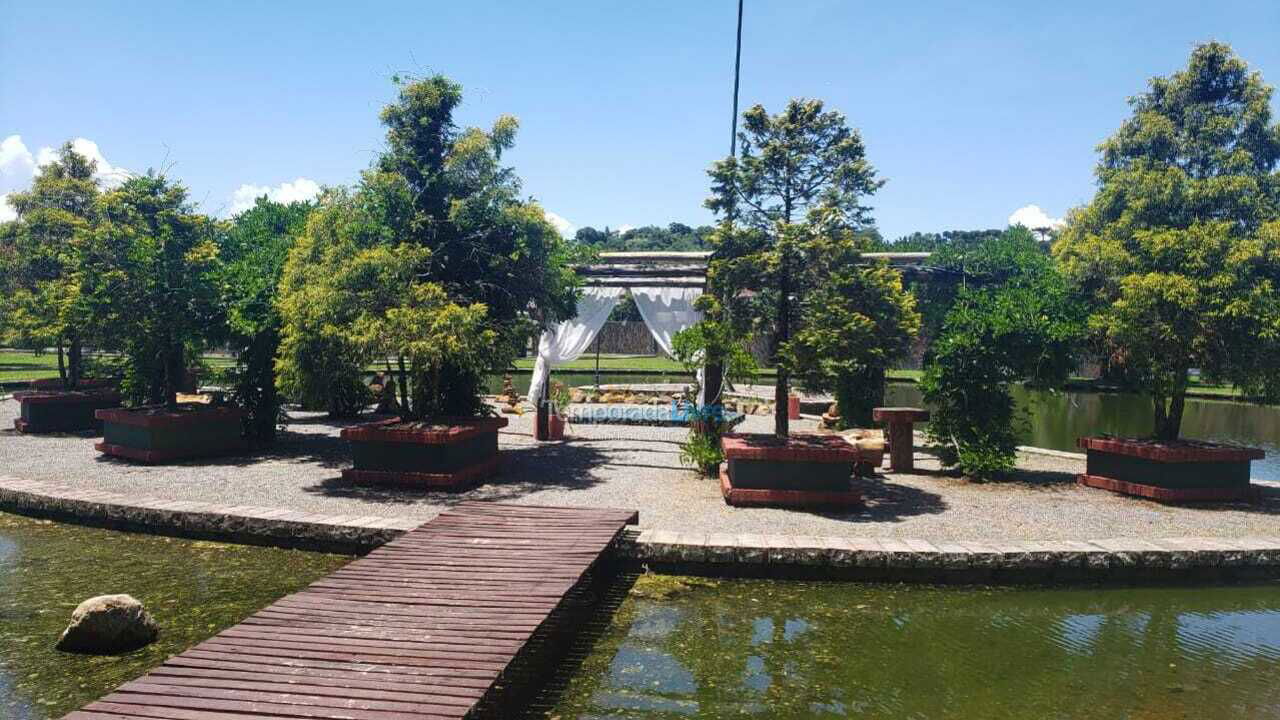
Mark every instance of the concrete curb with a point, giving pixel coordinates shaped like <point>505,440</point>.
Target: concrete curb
<point>247,524</point>
<point>780,556</point>
<point>915,560</point>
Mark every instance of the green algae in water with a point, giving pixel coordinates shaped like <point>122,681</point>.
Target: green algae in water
<point>753,648</point>
<point>193,588</point>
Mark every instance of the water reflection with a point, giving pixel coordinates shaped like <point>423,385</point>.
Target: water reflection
<point>814,650</point>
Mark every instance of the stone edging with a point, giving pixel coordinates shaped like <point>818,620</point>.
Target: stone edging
<point>907,560</point>
<point>924,561</point>
<point>250,524</point>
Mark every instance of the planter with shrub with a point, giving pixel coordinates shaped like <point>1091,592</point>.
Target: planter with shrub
<point>165,309</point>
<point>1179,257</point>
<point>435,265</point>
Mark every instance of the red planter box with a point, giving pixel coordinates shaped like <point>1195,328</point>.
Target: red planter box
<point>1184,471</point>
<point>800,471</point>
<point>449,454</point>
<point>62,410</point>
<point>157,435</point>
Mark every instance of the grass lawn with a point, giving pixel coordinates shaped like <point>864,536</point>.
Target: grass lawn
<point>23,366</point>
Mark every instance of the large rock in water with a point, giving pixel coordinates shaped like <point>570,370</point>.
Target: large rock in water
<point>109,624</point>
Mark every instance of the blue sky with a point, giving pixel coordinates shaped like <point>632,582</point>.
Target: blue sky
<point>971,110</point>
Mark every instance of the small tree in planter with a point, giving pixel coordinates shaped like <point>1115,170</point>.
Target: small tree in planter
<point>1179,253</point>
<point>436,261</point>
<point>164,303</point>
<point>800,178</point>
<point>253,249</point>
<point>50,269</point>
<point>796,186</point>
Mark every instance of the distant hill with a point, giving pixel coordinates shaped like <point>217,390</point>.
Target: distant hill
<point>676,236</point>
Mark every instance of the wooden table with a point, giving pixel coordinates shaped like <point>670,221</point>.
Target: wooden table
<point>898,422</point>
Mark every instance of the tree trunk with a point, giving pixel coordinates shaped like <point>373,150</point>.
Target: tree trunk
<point>62,367</point>
<point>781,425</point>
<point>174,370</point>
<point>404,387</point>
<point>75,364</point>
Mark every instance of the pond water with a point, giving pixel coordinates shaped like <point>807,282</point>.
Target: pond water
<point>193,588</point>
<point>1055,419</point>
<point>749,648</point>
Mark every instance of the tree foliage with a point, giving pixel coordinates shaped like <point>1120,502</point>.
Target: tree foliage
<point>433,259</point>
<point>1022,325</point>
<point>253,248</point>
<point>47,264</point>
<point>1179,251</point>
<point>160,293</point>
<point>797,184</point>
<point>854,323</point>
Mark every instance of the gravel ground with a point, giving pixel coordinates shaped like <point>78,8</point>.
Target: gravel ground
<point>638,467</point>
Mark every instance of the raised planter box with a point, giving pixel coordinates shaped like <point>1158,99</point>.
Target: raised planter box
<point>800,471</point>
<point>158,435</point>
<point>449,454</point>
<point>48,410</point>
<point>1185,471</point>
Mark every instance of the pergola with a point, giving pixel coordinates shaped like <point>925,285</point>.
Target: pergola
<point>664,286</point>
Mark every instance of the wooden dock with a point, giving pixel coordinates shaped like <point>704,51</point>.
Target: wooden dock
<point>435,624</point>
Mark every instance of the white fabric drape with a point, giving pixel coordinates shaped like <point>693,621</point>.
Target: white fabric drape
<point>569,339</point>
<point>667,311</point>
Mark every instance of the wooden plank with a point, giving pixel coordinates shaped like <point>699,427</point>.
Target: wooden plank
<point>423,627</point>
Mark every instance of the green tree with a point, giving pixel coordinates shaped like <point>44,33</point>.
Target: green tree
<point>799,176</point>
<point>253,247</point>
<point>46,263</point>
<point>160,293</point>
<point>1179,251</point>
<point>1019,322</point>
<point>854,323</point>
<point>435,260</point>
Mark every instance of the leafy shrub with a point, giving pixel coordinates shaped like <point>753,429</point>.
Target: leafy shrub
<point>1025,330</point>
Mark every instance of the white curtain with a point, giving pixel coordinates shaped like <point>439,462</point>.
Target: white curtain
<point>569,339</point>
<point>667,311</point>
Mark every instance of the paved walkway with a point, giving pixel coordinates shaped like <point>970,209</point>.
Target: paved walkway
<point>625,466</point>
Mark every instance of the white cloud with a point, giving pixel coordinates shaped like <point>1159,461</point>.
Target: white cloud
<point>16,161</point>
<point>623,228</point>
<point>565,227</point>
<point>1032,217</point>
<point>18,164</point>
<point>7,212</point>
<point>299,190</point>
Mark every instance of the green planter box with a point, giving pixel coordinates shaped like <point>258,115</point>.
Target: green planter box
<point>157,435</point>
<point>447,454</point>
<point>1185,471</point>
<point>42,411</point>
<point>799,471</point>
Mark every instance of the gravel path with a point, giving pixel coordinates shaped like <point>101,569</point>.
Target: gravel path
<point>638,467</point>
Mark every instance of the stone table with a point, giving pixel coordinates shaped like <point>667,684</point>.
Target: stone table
<point>898,421</point>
